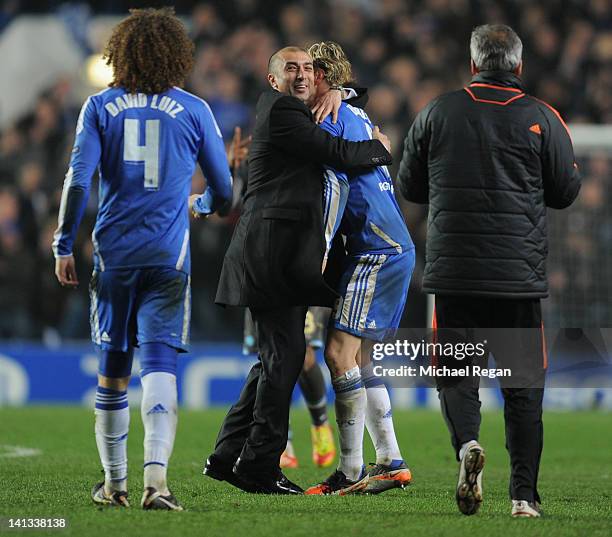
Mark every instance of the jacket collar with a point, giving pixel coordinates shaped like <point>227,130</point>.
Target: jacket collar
<point>504,79</point>
<point>360,100</point>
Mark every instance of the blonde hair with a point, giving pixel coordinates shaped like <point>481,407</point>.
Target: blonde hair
<point>330,57</point>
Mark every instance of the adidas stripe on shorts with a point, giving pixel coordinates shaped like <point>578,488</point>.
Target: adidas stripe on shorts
<point>373,291</point>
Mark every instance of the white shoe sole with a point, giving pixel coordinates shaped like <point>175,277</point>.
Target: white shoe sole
<point>469,488</point>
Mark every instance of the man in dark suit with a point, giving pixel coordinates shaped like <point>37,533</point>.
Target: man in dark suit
<point>274,266</point>
<point>489,159</point>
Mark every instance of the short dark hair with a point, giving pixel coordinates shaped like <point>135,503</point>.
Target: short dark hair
<point>274,59</point>
<point>149,51</point>
<point>495,47</point>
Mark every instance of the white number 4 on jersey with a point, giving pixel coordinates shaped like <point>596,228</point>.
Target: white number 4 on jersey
<point>148,153</point>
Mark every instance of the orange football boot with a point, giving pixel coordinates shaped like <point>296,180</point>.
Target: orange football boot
<point>384,477</point>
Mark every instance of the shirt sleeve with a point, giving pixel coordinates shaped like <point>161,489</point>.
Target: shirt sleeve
<point>213,161</point>
<point>84,161</point>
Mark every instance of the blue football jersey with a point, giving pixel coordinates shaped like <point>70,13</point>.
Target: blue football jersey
<point>145,148</point>
<point>372,221</point>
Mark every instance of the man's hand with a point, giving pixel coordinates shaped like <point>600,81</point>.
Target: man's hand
<point>195,214</point>
<point>382,138</point>
<point>328,103</point>
<point>238,150</point>
<point>65,271</point>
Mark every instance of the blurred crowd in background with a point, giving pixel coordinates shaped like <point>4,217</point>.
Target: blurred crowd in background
<point>405,51</point>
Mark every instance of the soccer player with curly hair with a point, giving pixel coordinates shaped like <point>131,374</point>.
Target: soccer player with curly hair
<point>144,135</point>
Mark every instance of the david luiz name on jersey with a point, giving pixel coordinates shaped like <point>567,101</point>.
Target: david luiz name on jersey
<point>432,371</point>
<point>142,100</point>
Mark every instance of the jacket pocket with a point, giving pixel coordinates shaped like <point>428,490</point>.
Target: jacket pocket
<point>281,213</point>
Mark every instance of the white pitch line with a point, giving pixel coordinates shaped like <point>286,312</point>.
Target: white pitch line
<point>13,452</point>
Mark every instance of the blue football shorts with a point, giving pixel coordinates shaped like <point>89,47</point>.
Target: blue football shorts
<point>134,306</point>
<point>373,291</point>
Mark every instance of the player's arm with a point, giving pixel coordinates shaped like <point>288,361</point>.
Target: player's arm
<point>329,102</point>
<point>292,129</point>
<point>559,169</point>
<point>83,163</point>
<point>413,176</point>
<point>326,104</point>
<point>213,161</point>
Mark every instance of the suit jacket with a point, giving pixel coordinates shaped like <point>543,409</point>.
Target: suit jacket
<point>276,253</point>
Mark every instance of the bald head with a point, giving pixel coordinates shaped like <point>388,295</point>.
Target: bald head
<point>277,60</point>
<point>290,70</point>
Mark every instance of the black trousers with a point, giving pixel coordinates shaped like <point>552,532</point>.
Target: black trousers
<point>256,427</point>
<point>512,330</point>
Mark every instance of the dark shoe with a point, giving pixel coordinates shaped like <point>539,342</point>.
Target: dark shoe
<point>338,484</point>
<point>220,470</point>
<point>153,500</point>
<point>262,484</point>
<point>116,499</point>
<point>217,468</point>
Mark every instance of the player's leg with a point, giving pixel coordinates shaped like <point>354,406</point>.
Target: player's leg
<point>314,390</point>
<point>163,318</point>
<point>340,355</point>
<point>341,350</point>
<point>111,308</point>
<point>112,422</point>
<point>159,412</point>
<point>379,416</point>
<point>312,385</point>
<point>390,470</point>
<point>388,290</point>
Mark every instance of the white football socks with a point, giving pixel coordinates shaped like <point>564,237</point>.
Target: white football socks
<point>159,416</point>
<point>112,417</point>
<point>350,416</point>
<point>379,418</point>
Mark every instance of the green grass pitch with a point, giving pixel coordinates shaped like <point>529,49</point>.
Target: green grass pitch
<point>576,482</point>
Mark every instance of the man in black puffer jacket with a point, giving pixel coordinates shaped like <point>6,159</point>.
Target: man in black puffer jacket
<point>489,159</point>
